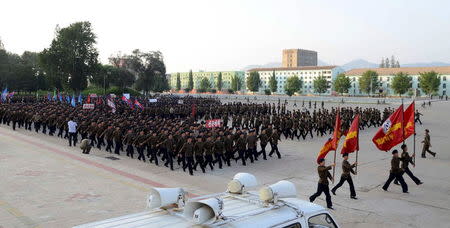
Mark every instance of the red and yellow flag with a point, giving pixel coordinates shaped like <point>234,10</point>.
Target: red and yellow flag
<point>337,131</point>
<point>391,132</point>
<point>327,147</point>
<point>408,121</point>
<point>351,143</point>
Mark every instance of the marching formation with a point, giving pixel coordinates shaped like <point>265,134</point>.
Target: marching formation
<point>195,133</point>
<point>396,128</point>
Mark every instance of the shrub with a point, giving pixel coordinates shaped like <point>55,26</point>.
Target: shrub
<point>267,92</point>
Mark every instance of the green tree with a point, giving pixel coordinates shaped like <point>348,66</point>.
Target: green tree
<point>320,85</point>
<point>253,81</point>
<point>219,82</point>
<point>178,82</point>
<point>273,84</point>
<point>401,83</point>
<point>293,85</point>
<point>234,83</point>
<point>368,82</point>
<point>429,82</point>
<point>382,63</point>
<point>205,85</point>
<point>190,81</point>
<point>342,84</point>
<point>72,57</point>
<point>386,63</point>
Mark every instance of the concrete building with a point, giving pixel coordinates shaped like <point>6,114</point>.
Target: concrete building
<point>385,76</point>
<point>307,74</point>
<point>298,58</point>
<point>211,75</point>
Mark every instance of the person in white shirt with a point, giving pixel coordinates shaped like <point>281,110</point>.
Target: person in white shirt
<point>72,131</point>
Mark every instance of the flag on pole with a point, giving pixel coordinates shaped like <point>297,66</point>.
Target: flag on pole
<point>73,101</point>
<point>337,131</point>
<point>49,98</point>
<point>391,132</point>
<point>4,93</point>
<point>80,99</point>
<point>112,105</point>
<point>327,147</point>
<point>88,99</point>
<point>136,102</point>
<point>408,121</point>
<point>126,100</point>
<point>351,143</point>
<point>54,95</point>
<point>99,100</point>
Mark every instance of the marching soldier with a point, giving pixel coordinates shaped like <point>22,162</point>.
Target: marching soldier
<point>427,144</point>
<point>322,186</point>
<point>128,139</point>
<point>263,140</point>
<point>396,173</point>
<point>198,153</point>
<point>346,176</point>
<point>406,159</point>
<point>274,138</point>
<point>187,150</point>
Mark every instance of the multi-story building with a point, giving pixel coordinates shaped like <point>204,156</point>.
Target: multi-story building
<point>307,74</point>
<point>385,76</point>
<point>210,75</point>
<point>298,58</point>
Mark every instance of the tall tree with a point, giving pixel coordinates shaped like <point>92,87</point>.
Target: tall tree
<point>205,85</point>
<point>293,85</point>
<point>72,56</point>
<point>178,86</point>
<point>393,63</point>
<point>2,47</point>
<point>273,84</point>
<point>429,82</point>
<point>401,83</point>
<point>190,81</point>
<point>386,63</point>
<point>320,85</point>
<point>368,82</point>
<point>382,65</point>
<point>342,83</point>
<point>253,81</point>
<point>219,82</point>
<point>397,64</point>
<point>235,83</point>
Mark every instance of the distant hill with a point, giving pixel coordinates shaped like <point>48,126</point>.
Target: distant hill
<point>358,63</point>
<point>430,64</point>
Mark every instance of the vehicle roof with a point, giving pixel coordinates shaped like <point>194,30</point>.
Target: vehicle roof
<point>244,210</point>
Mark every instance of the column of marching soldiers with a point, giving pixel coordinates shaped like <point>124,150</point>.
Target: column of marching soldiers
<point>173,128</point>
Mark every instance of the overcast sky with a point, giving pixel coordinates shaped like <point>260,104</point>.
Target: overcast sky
<point>230,34</point>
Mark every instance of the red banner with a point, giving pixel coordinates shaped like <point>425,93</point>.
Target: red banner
<point>213,123</point>
<point>391,132</point>
<point>408,121</point>
<point>351,143</point>
<point>327,147</point>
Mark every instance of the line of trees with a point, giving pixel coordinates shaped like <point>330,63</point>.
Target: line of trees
<point>386,63</point>
<point>71,63</point>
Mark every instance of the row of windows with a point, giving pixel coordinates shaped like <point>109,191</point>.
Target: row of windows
<point>295,73</point>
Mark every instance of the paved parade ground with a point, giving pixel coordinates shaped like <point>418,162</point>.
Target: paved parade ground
<point>46,183</point>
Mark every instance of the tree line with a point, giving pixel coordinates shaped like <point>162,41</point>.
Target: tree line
<point>368,82</point>
<point>70,64</point>
<point>207,86</point>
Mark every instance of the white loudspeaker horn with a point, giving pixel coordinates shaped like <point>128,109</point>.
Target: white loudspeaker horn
<point>241,180</point>
<point>281,189</point>
<point>163,197</point>
<point>203,211</point>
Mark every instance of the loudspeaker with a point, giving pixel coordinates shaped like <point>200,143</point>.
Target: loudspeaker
<point>241,181</point>
<point>163,197</point>
<point>281,189</point>
<point>203,211</point>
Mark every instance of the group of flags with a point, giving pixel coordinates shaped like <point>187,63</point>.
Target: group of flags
<point>6,95</point>
<point>132,103</point>
<point>72,100</point>
<point>397,128</point>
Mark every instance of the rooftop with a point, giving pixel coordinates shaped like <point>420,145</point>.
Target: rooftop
<point>293,68</point>
<point>408,70</point>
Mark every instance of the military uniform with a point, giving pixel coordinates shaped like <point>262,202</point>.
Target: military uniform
<point>396,173</point>
<point>346,176</point>
<point>322,186</point>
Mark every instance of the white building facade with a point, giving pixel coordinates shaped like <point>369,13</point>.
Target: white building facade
<point>306,74</point>
<point>385,76</point>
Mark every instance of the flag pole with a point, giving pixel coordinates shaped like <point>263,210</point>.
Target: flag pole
<point>356,166</point>
<point>334,167</point>
<point>403,120</point>
<point>414,135</point>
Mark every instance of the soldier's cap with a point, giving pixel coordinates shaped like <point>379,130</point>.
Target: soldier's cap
<point>427,130</point>
<point>403,146</point>
<point>345,155</point>
<point>320,160</point>
<point>395,152</point>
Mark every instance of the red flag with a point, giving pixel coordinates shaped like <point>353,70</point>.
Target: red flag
<point>99,100</point>
<point>136,102</point>
<point>327,147</point>
<point>194,110</point>
<point>408,121</point>
<point>88,99</point>
<point>391,132</point>
<point>351,143</point>
<point>337,131</point>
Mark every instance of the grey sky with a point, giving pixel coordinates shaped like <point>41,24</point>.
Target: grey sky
<point>228,35</point>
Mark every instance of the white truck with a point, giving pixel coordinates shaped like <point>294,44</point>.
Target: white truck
<point>273,206</point>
